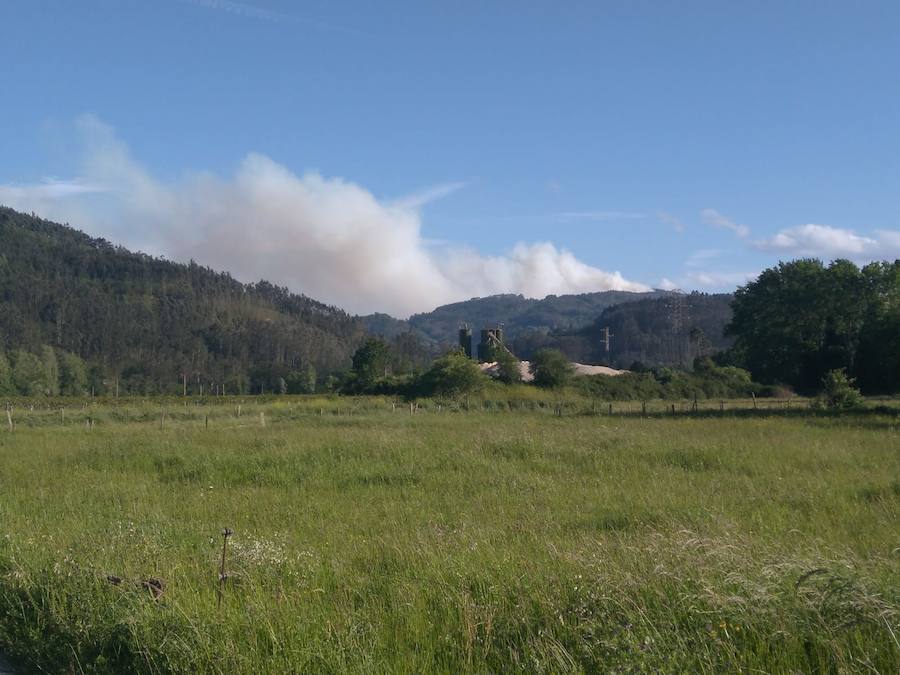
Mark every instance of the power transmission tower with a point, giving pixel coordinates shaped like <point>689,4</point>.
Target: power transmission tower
<point>605,337</point>
<point>679,316</point>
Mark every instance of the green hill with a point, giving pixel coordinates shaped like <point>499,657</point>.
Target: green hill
<point>141,322</point>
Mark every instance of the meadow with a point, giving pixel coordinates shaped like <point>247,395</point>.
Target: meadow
<point>529,535</point>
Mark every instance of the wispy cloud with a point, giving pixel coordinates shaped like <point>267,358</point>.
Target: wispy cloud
<point>701,257</point>
<point>419,199</point>
<point>716,219</point>
<point>252,11</point>
<point>669,219</point>
<point>719,280</point>
<point>239,9</point>
<point>49,188</point>
<point>825,241</point>
<point>601,216</point>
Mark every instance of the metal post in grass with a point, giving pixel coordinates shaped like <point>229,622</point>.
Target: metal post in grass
<point>227,532</point>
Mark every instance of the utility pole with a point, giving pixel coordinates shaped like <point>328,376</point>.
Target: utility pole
<point>605,336</point>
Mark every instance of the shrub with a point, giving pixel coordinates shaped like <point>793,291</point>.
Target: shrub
<point>839,392</point>
<point>551,368</point>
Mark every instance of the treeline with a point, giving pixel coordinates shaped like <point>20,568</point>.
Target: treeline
<point>802,320</point>
<point>454,374</point>
<point>51,372</point>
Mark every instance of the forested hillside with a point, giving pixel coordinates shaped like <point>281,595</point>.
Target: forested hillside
<point>669,330</point>
<point>518,314</point>
<point>77,313</point>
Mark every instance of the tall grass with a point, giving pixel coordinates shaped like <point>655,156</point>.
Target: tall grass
<point>502,538</point>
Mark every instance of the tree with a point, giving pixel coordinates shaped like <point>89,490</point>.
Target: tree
<point>453,374</point>
<point>839,392</point>
<point>551,368</point>
<point>51,371</point>
<point>28,374</point>
<point>508,368</point>
<point>370,361</point>
<point>6,380</point>
<point>302,381</point>
<point>800,320</point>
<point>73,379</point>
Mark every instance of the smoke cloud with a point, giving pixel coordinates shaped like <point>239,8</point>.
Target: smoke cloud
<point>325,237</point>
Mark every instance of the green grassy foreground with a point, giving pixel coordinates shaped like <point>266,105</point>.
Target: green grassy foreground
<point>449,541</point>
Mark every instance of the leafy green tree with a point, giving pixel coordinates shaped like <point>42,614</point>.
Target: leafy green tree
<point>73,378</point>
<point>839,392</point>
<point>370,361</point>
<point>51,371</point>
<point>302,381</point>
<point>801,319</point>
<point>508,368</point>
<point>453,375</point>
<point>6,380</point>
<point>29,375</point>
<point>551,368</point>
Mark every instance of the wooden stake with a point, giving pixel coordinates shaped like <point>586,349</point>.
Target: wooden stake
<point>9,419</point>
<point>227,532</point>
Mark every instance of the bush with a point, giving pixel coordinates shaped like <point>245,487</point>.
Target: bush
<point>839,392</point>
<point>454,374</point>
<point>508,369</point>
<point>551,368</point>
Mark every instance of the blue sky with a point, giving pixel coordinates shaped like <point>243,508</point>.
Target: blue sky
<point>394,156</point>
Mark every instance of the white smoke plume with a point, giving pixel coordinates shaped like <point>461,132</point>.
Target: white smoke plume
<point>325,237</point>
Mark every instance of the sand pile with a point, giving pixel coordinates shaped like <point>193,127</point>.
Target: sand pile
<point>492,368</point>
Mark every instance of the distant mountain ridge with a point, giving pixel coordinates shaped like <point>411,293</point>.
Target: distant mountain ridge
<point>517,313</point>
<point>656,327</point>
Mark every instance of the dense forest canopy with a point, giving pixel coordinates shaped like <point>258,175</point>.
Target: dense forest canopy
<point>668,330</point>
<point>803,319</point>
<point>142,323</point>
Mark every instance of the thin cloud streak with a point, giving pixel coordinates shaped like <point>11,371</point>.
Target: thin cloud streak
<point>600,215</point>
<point>715,219</point>
<point>243,9</point>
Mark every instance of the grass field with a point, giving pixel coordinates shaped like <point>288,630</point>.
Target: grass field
<point>540,539</point>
